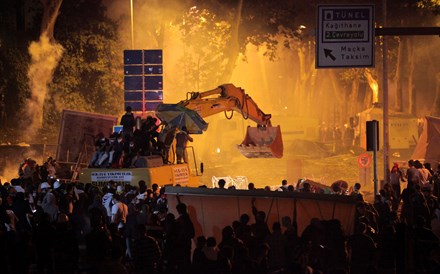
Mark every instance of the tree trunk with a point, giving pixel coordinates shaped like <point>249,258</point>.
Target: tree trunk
<point>304,93</point>
<point>339,99</point>
<point>233,49</point>
<point>45,55</point>
<point>300,86</point>
<point>51,10</point>
<point>397,78</point>
<point>410,86</point>
<point>435,108</point>
<point>368,99</point>
<point>311,79</point>
<point>352,107</point>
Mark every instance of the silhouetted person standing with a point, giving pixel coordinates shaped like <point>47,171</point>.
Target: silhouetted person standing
<point>361,250</point>
<point>44,244</point>
<point>128,122</point>
<point>146,252</point>
<point>184,229</point>
<point>182,139</point>
<point>259,229</point>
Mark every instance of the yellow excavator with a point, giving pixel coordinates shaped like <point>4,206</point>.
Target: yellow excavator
<point>262,141</point>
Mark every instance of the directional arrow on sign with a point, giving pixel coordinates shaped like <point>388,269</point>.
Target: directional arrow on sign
<point>328,53</point>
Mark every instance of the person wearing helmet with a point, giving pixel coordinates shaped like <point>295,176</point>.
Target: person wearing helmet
<point>49,201</point>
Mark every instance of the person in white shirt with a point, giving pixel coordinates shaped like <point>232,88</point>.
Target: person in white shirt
<point>107,202</point>
<point>119,212</point>
<point>283,186</point>
<point>425,174</point>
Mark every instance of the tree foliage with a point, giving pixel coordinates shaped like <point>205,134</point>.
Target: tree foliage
<point>89,75</point>
<point>217,33</point>
<point>431,5</point>
<point>13,83</point>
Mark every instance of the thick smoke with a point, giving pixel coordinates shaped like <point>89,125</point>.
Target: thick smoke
<point>45,56</point>
<point>10,172</point>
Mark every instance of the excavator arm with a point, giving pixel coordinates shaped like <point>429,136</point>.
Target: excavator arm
<point>224,98</point>
<point>263,141</point>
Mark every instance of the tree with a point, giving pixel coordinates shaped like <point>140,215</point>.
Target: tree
<point>408,13</point>
<point>45,54</point>
<point>13,85</point>
<point>89,75</point>
<point>215,34</point>
<point>14,62</point>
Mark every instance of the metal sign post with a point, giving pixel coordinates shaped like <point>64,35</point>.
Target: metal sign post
<point>375,180</point>
<point>373,145</point>
<point>345,36</point>
<point>364,162</point>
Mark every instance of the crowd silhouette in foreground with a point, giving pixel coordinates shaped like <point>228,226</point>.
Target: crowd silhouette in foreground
<point>47,226</point>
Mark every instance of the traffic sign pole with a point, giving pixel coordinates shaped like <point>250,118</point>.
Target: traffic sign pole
<point>386,134</point>
<point>375,180</point>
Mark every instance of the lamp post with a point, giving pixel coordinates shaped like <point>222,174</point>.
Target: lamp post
<point>132,24</point>
<point>386,145</point>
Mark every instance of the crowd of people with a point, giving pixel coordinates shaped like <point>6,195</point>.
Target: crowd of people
<point>54,227</point>
<point>139,138</point>
<point>342,138</point>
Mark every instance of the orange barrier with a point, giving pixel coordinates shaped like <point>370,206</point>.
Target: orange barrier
<point>213,209</point>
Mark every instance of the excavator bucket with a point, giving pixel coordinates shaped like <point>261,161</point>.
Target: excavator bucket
<point>262,142</point>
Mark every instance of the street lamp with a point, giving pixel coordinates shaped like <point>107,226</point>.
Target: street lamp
<point>132,24</point>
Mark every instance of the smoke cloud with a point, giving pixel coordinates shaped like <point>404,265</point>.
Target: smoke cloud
<point>10,172</point>
<point>45,56</point>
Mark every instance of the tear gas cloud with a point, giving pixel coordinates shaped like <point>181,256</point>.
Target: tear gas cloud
<point>45,56</point>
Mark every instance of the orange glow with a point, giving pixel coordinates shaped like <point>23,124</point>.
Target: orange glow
<point>373,85</point>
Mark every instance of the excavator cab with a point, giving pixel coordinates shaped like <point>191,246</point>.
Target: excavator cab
<point>262,142</point>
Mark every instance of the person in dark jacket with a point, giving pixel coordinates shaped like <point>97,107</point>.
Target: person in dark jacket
<point>128,122</point>
<point>184,229</point>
